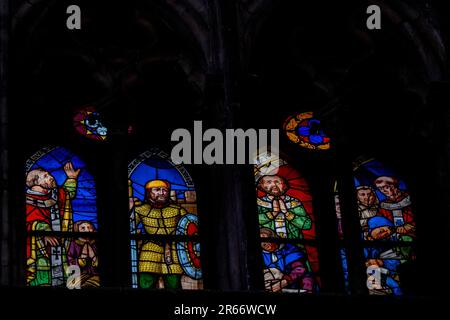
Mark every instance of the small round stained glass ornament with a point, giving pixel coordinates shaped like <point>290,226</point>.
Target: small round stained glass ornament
<point>87,122</point>
<point>306,131</point>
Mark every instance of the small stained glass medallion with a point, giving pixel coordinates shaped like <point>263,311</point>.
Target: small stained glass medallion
<point>306,131</point>
<point>87,122</point>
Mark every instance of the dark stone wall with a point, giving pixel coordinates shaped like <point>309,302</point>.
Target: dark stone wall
<point>233,64</point>
<point>5,226</point>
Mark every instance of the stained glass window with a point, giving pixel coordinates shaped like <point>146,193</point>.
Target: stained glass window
<point>340,232</point>
<point>387,225</point>
<point>87,122</point>
<point>287,227</point>
<point>165,250</point>
<point>61,220</point>
<point>306,131</point>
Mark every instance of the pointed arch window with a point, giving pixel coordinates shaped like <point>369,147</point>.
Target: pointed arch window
<point>165,249</point>
<point>287,228</point>
<point>388,226</point>
<point>61,220</point>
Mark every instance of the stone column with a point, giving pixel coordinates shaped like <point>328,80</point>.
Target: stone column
<point>4,195</point>
<point>229,184</point>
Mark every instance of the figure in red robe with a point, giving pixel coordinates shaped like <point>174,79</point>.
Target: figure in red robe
<point>48,208</point>
<point>396,207</point>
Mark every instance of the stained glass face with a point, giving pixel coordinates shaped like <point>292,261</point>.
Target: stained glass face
<point>387,219</point>
<point>87,122</point>
<point>285,216</point>
<point>306,131</point>
<point>163,223</point>
<point>60,200</point>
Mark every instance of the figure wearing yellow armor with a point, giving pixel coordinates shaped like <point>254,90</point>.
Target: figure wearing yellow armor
<point>158,259</point>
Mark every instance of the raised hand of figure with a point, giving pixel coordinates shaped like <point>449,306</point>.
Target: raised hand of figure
<point>70,171</point>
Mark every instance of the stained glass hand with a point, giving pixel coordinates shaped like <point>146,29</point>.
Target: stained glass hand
<point>70,171</point>
<point>51,241</point>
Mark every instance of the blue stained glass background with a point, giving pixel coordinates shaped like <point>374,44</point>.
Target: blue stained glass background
<point>345,270</point>
<point>85,203</point>
<point>151,169</point>
<point>314,137</point>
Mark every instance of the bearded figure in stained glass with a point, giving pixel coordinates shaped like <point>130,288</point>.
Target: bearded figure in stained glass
<point>158,215</point>
<point>279,212</point>
<point>48,208</point>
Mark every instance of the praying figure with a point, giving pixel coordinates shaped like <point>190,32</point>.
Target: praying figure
<point>279,212</point>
